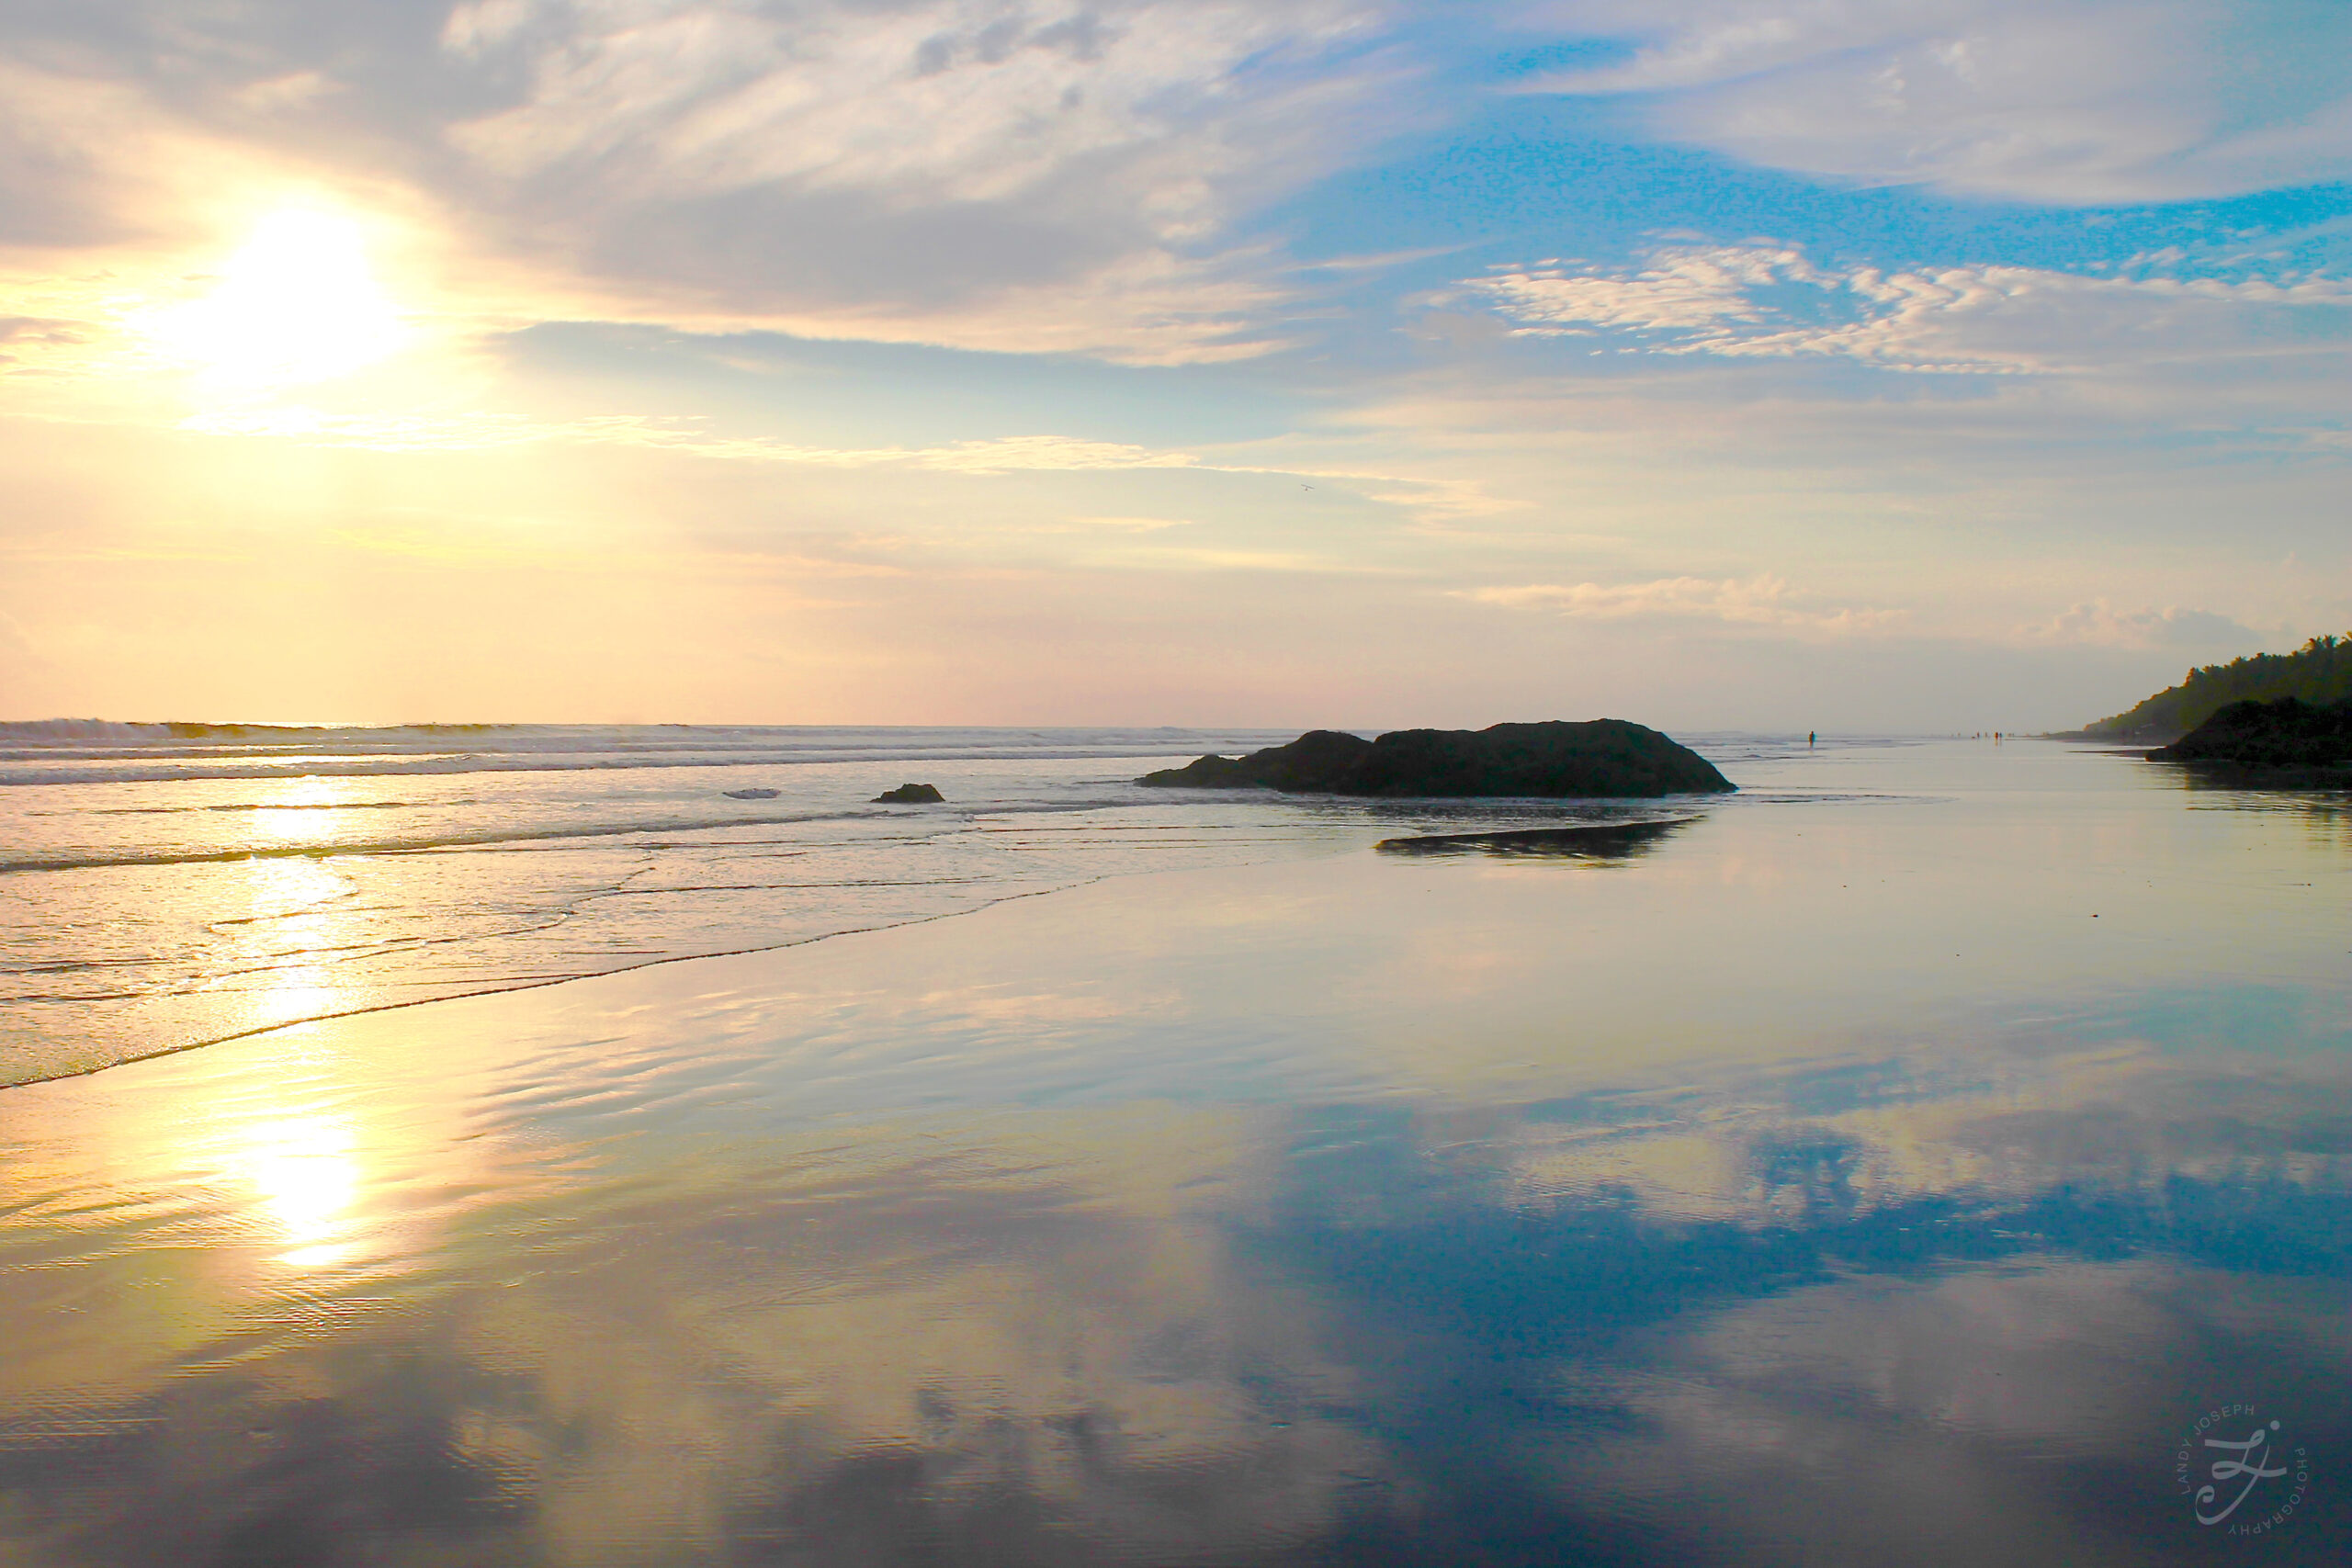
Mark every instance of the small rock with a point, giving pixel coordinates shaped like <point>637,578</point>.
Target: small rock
<point>910,795</point>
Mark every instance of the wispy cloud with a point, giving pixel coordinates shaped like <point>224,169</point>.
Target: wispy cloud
<point>1772,302</point>
<point>2073,101</point>
<point>2097,622</point>
<point>1054,174</point>
<point>987,173</point>
<point>1757,601</point>
<point>475,431</point>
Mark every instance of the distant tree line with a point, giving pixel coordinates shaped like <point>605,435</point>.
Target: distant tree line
<point>2319,671</point>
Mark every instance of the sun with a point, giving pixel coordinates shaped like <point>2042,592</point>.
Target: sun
<point>298,303</point>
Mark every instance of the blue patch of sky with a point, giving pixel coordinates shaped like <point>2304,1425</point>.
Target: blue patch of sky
<point>1551,59</point>
<point>1538,176</point>
<point>1534,178</point>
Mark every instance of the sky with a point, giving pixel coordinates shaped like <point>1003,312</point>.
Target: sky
<point>1922,365</point>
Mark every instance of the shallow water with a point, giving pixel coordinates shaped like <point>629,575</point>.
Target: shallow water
<point>1891,1164</point>
<point>169,885</point>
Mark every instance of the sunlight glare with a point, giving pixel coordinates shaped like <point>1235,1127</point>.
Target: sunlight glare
<point>297,815</point>
<point>299,303</point>
<point>306,1176</point>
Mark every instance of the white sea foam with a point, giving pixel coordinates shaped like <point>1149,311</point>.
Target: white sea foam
<point>54,751</point>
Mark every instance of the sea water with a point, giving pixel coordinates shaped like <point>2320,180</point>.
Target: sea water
<point>171,885</point>
<point>1938,1153</point>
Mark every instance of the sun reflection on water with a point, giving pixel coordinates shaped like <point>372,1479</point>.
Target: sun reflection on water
<point>296,917</point>
<point>306,1173</point>
<point>301,813</point>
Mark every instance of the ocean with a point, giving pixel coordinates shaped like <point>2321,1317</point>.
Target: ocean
<point>172,884</point>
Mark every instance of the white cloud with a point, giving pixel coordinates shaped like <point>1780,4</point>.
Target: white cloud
<point>1703,291</point>
<point>951,101</point>
<point>1759,600</point>
<point>2063,101</point>
<point>1765,301</point>
<point>1053,176</point>
<point>2097,622</point>
<point>479,432</point>
<point>942,162</point>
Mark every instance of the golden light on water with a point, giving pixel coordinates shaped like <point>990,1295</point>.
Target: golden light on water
<point>300,1167</point>
<point>296,904</point>
<point>302,812</point>
<point>298,303</point>
<point>305,1174</point>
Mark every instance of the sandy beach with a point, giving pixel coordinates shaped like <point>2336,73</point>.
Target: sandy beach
<point>1704,1203</point>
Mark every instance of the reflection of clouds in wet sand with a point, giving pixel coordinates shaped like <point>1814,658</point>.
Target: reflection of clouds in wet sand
<point>1449,1210</point>
<point>1145,1331</point>
<point>2018,1414</point>
<point>969,1339</point>
<point>1938,1382</point>
<point>2122,1118</point>
<point>1032,1327</point>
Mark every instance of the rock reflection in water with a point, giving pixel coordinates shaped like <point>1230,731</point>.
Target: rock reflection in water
<point>1598,840</point>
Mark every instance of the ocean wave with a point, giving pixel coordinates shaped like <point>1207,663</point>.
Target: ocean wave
<point>260,805</point>
<point>939,823</point>
<point>389,768</point>
<point>89,751</point>
<point>426,844</point>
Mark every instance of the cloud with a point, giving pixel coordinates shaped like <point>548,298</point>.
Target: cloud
<point>1111,525</point>
<point>476,431</point>
<point>1052,176</point>
<point>1760,601</point>
<point>2062,101</point>
<point>37,329</point>
<point>951,103</point>
<point>834,163</point>
<point>2098,623</point>
<point>1770,302</point>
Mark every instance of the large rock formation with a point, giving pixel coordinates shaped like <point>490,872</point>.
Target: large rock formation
<point>910,795</point>
<point>2289,735</point>
<point>1606,757</point>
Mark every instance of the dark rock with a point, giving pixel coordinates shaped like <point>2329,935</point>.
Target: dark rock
<point>1606,757</point>
<point>749,794</point>
<point>910,795</point>
<point>2286,736</point>
<point>1207,773</point>
<point>1314,762</point>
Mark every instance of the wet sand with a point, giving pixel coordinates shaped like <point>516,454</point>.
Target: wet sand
<point>1885,1176</point>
